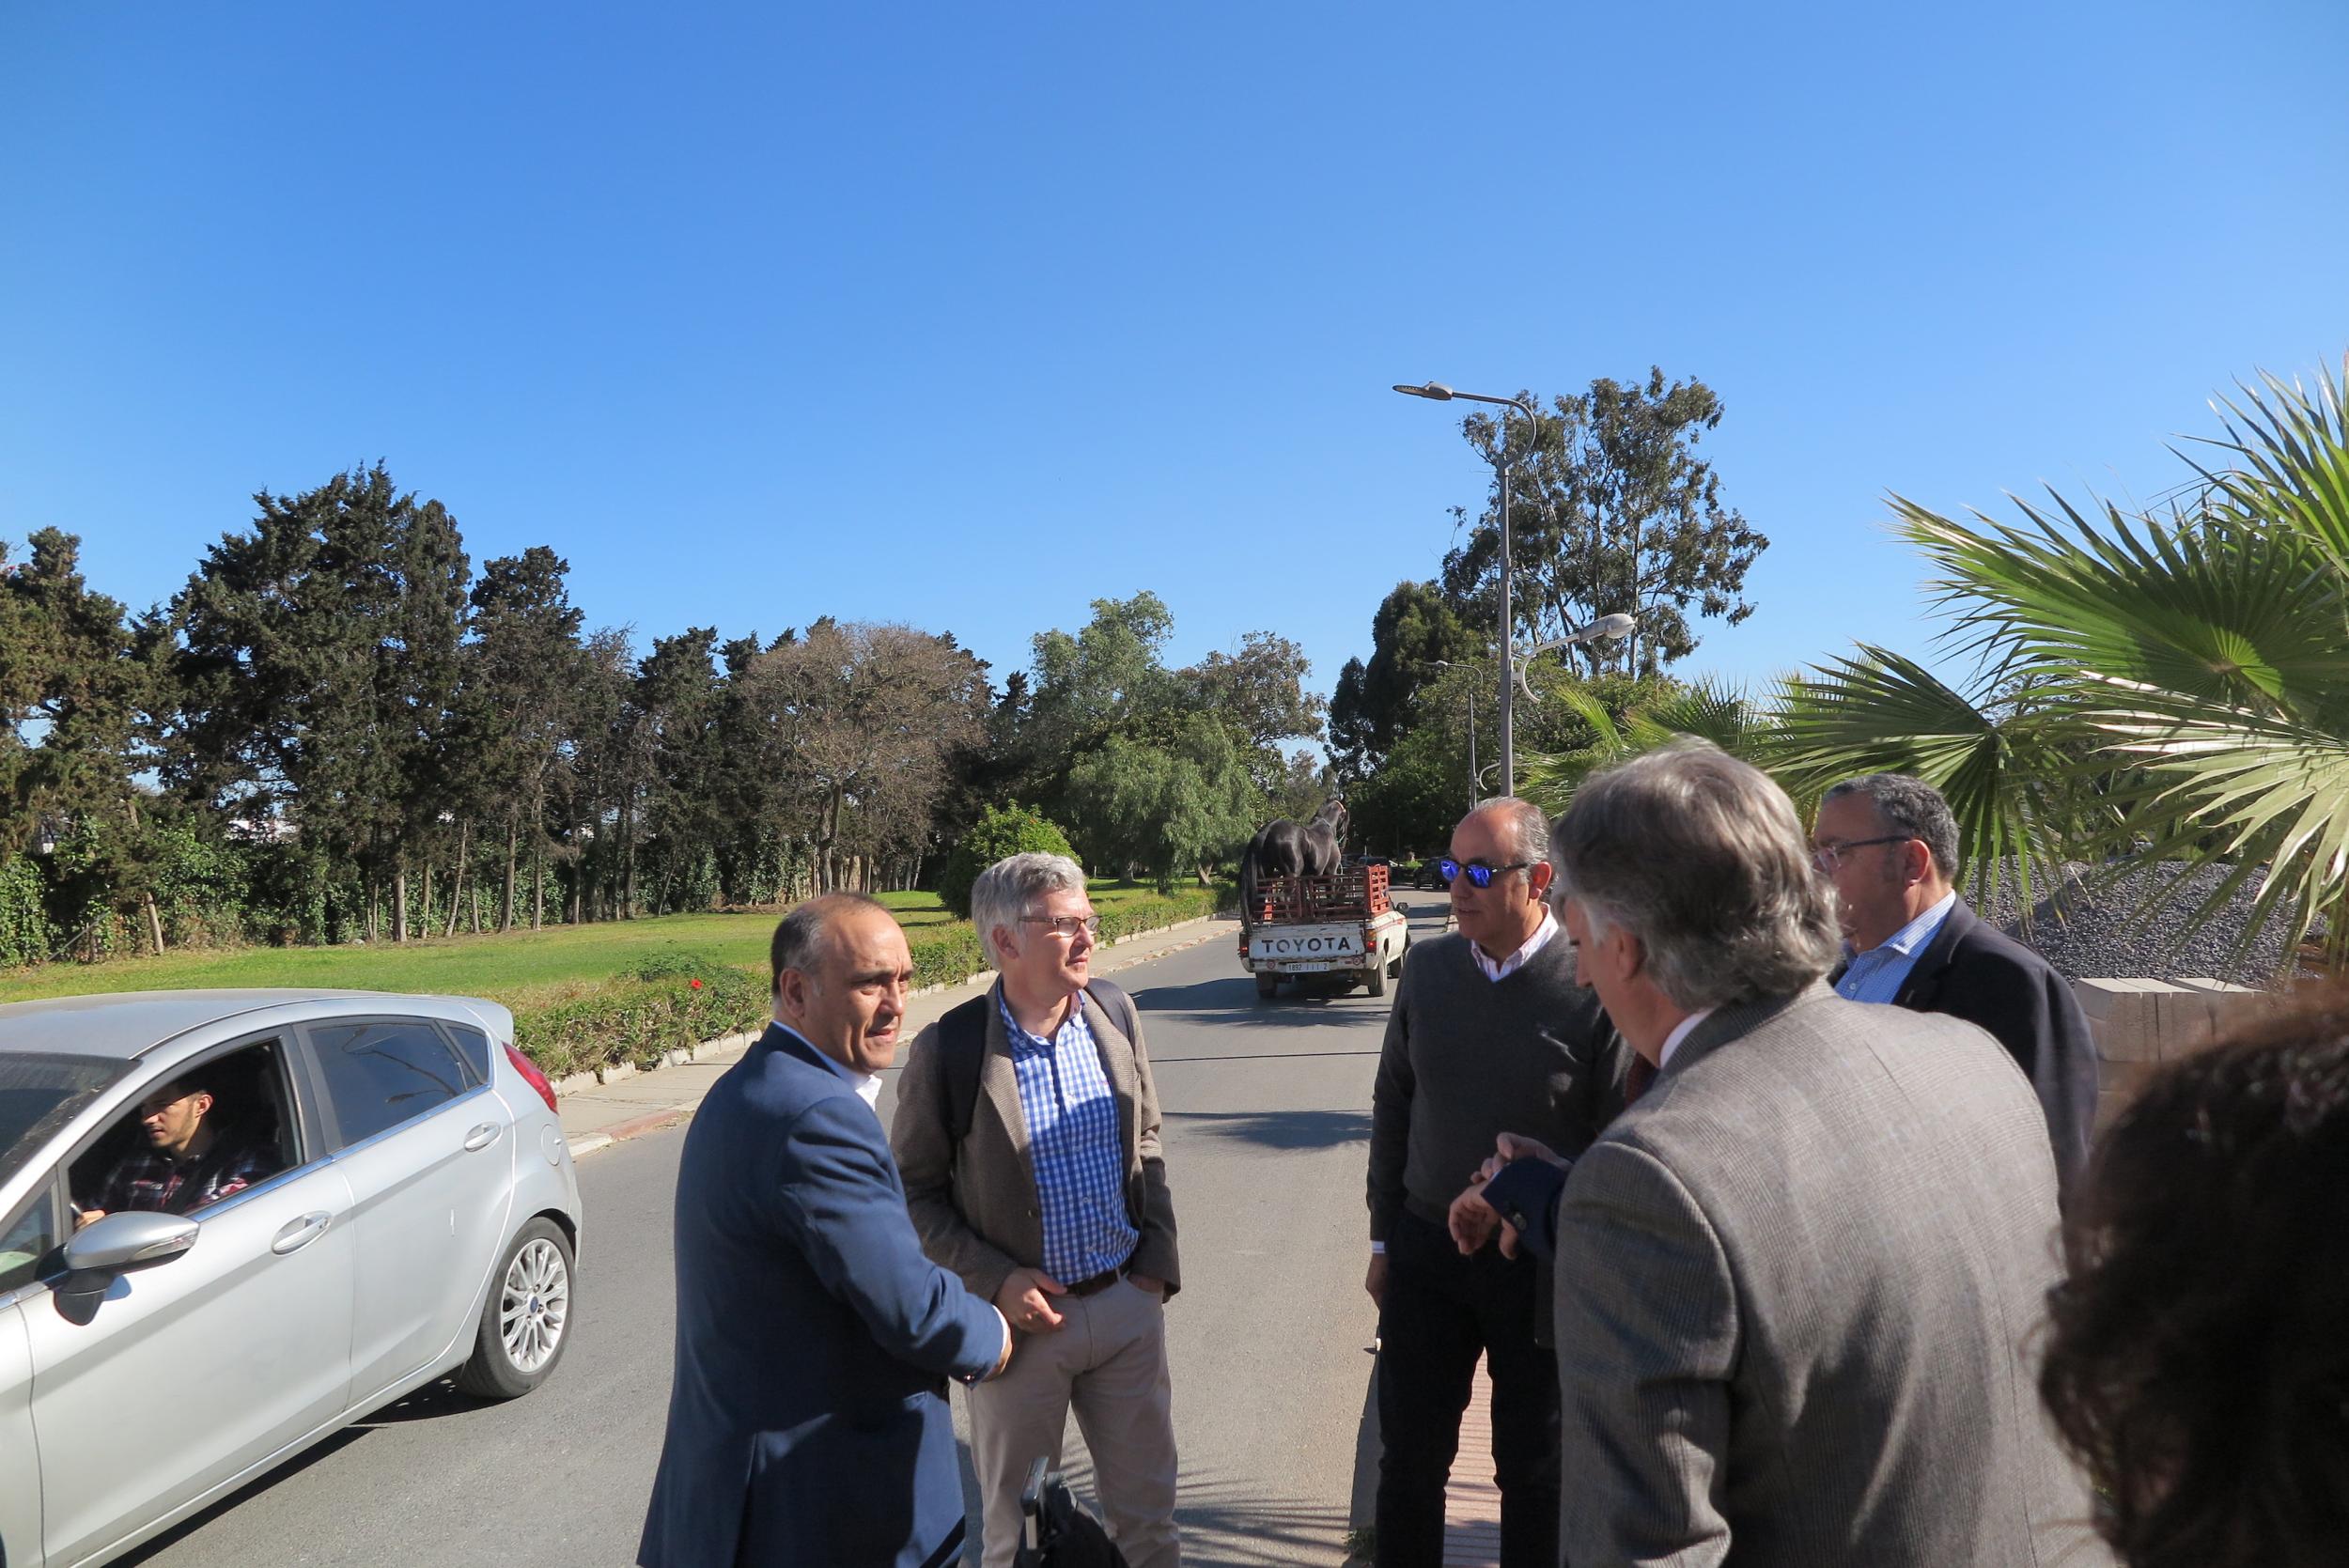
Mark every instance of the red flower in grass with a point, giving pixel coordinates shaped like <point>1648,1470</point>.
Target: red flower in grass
<point>695,984</point>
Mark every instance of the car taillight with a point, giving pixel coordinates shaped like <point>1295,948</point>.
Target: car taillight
<point>531,1076</point>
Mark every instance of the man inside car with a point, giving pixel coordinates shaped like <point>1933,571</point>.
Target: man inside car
<point>187,1162</point>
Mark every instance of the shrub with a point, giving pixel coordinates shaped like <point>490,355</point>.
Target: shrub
<point>25,934</point>
<point>659,1007</point>
<point>672,1002</point>
<point>1001,831</point>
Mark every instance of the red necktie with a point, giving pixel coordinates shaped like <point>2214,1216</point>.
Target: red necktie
<point>1634,1083</point>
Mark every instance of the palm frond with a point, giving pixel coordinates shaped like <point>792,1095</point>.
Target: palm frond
<point>2211,604</point>
<point>2268,795</point>
<point>2004,776</point>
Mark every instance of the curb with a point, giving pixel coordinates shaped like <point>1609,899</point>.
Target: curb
<point>664,1116</point>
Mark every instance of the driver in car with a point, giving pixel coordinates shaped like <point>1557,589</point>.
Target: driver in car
<point>186,1164</point>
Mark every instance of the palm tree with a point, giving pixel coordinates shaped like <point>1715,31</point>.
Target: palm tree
<point>1710,711</point>
<point>2200,655</point>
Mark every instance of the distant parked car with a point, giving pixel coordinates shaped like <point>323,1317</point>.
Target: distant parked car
<point>231,1223</point>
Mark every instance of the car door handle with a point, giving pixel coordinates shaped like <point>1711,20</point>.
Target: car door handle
<point>482,1135</point>
<point>300,1232</point>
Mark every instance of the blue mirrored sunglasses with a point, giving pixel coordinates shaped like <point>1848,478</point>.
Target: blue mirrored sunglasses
<point>1477,872</point>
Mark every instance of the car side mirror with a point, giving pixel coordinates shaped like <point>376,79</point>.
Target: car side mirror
<point>132,1240</point>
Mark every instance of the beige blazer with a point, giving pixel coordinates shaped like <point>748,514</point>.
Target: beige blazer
<point>975,1205</point>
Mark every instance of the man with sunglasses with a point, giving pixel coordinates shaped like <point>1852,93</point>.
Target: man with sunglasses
<point>1888,843</point>
<point>1491,1033</point>
<point>1027,1131</point>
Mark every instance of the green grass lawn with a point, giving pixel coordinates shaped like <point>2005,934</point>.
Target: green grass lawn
<point>521,966</point>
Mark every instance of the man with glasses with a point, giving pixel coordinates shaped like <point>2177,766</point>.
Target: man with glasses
<point>1806,1264</point>
<point>1889,845</point>
<point>1491,1033</point>
<point>1027,1130</point>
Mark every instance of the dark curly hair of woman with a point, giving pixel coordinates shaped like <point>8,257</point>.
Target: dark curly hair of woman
<point>2198,1360</point>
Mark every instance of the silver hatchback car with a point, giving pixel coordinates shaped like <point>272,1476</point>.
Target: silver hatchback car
<point>234,1222</point>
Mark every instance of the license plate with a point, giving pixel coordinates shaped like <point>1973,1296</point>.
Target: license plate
<point>1306,968</point>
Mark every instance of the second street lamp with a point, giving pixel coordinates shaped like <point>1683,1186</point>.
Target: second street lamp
<point>1437,392</point>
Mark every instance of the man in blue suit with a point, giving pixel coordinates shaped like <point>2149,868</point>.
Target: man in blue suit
<point>807,1418</point>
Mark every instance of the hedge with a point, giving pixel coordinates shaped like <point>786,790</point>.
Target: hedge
<point>678,1001</point>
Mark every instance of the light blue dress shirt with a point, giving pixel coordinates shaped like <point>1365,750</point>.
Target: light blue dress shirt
<point>1877,974</point>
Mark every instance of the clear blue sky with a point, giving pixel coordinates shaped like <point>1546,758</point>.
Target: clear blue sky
<point>964,316</point>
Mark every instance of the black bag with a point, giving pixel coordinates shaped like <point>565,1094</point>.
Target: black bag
<point>1056,1532</point>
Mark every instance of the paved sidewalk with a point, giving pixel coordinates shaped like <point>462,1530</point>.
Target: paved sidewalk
<point>1472,1503</point>
<point>635,1103</point>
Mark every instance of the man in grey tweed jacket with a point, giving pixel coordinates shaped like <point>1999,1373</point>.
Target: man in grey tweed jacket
<point>1813,1256</point>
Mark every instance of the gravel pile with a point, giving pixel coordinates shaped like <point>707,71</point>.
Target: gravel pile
<point>2094,932</point>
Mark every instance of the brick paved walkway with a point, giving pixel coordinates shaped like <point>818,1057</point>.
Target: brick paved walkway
<point>1471,1505</point>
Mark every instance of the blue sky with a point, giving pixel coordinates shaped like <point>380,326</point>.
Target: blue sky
<point>967,316</point>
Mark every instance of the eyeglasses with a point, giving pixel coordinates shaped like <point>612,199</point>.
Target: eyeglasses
<point>1066,926</point>
<point>1826,855</point>
<point>1477,872</point>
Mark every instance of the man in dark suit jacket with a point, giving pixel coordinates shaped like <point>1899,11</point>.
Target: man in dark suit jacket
<point>1808,1258</point>
<point>1889,844</point>
<point>807,1417</point>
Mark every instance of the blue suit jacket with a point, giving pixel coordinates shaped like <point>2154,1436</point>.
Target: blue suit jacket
<point>807,1417</point>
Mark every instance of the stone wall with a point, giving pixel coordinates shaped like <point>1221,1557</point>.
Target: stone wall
<point>2140,1024</point>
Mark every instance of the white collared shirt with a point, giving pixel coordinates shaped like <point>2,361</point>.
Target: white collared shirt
<point>1680,1031</point>
<point>1501,969</point>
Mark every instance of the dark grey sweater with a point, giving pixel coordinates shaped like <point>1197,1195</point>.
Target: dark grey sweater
<point>1467,1058</point>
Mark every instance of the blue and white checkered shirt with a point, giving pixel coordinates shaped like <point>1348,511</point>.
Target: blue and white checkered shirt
<point>1075,1145</point>
<point>1876,974</point>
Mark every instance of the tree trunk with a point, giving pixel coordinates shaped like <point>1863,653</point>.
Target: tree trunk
<point>624,876</point>
<point>424,909</point>
<point>475,891</point>
<point>513,837</point>
<point>538,882</point>
<point>399,902</point>
<point>457,886</point>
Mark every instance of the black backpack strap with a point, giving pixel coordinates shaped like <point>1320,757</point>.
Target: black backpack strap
<point>961,1052</point>
<point>1119,1007</point>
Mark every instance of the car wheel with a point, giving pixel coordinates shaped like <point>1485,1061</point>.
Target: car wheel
<point>527,1320</point>
<point>1267,984</point>
<point>1375,978</point>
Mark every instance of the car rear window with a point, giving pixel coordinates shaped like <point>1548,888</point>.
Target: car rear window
<point>40,1093</point>
<point>476,1046</point>
<point>384,1072</point>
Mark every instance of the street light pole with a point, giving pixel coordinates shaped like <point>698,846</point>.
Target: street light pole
<point>1437,392</point>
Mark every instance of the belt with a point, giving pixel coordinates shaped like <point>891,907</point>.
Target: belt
<point>1103,1281</point>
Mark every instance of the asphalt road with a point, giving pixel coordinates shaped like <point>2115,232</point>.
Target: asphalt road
<point>1266,1122</point>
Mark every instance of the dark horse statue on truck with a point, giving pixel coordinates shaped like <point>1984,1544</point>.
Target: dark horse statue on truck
<point>1286,847</point>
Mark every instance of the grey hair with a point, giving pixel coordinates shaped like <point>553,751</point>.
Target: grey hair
<point>1912,807</point>
<point>1523,826</point>
<point>1006,891</point>
<point>798,941</point>
<point>1702,859</point>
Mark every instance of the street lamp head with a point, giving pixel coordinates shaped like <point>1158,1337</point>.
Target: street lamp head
<point>1434,389</point>
<point>1616,625</point>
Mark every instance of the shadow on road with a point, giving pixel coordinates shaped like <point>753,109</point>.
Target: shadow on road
<point>258,1485</point>
<point>1281,1129</point>
<point>1236,991</point>
<point>1227,1523</point>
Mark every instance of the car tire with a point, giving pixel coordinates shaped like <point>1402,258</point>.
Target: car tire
<point>1375,978</point>
<point>526,1322</point>
<point>1268,985</point>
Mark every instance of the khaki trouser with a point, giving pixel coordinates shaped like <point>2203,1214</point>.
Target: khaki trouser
<point>1107,1361</point>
